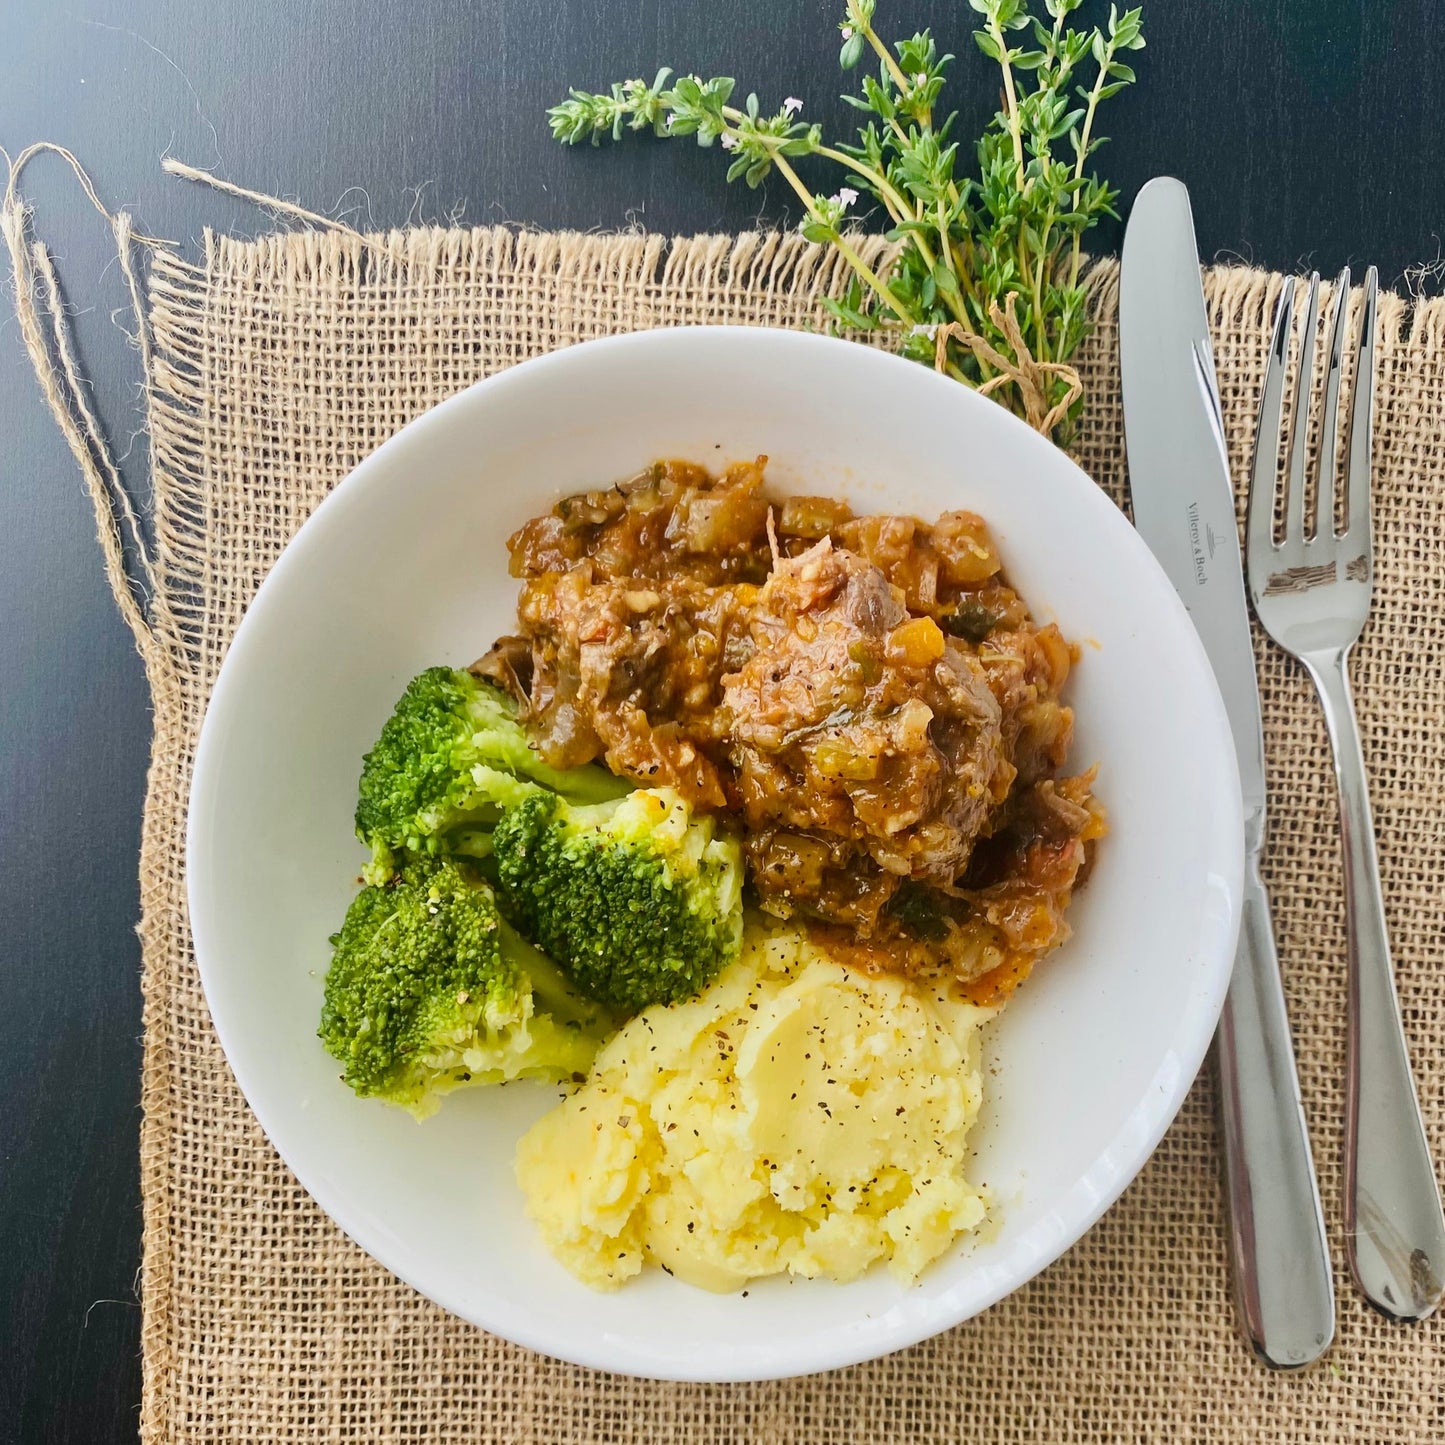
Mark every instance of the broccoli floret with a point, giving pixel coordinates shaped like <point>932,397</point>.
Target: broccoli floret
<point>640,902</point>
<point>452,755</point>
<point>429,989</point>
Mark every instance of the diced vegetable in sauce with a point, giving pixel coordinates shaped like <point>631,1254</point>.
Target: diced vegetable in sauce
<point>864,698</point>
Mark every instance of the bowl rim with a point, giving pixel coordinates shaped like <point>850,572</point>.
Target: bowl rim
<point>884,1337</point>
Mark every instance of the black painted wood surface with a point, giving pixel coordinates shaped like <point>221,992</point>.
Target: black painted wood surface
<point>1308,131</point>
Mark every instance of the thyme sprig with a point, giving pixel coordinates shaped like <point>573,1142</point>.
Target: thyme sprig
<point>985,281</point>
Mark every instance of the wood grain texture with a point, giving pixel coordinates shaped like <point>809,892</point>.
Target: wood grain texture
<point>1305,129</point>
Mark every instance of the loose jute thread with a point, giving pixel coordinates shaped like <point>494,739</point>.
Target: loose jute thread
<point>45,331</point>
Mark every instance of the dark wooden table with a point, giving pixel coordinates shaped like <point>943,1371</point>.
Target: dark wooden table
<point>1308,131</point>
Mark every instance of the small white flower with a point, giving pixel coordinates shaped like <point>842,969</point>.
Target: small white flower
<point>846,31</point>
<point>930,332</point>
<point>667,124</point>
<point>919,80</point>
<point>846,196</point>
<point>792,105</point>
<point>728,141</point>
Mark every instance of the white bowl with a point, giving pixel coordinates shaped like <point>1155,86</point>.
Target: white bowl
<point>404,566</point>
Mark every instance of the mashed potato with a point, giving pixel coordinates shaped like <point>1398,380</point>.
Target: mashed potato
<point>796,1116</point>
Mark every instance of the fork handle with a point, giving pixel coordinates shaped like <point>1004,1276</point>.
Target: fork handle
<point>1394,1227</point>
<point>1281,1266</point>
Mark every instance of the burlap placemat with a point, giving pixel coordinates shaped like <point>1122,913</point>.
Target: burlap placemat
<point>278,365</point>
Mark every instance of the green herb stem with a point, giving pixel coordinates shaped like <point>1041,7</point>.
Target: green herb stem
<point>1085,136</point>
<point>866,30</point>
<point>880,287</point>
<point>1011,103</point>
<point>898,207</point>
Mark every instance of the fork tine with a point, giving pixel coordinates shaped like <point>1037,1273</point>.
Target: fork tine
<point>1264,475</point>
<point>1357,473</point>
<point>1299,422</point>
<point>1329,415</point>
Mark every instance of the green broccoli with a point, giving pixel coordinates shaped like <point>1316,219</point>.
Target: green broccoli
<point>430,989</point>
<point>638,900</point>
<point>452,755</point>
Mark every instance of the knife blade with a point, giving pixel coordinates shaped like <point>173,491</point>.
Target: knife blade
<point>1184,509</point>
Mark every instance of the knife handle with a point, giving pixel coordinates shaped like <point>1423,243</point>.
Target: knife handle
<point>1282,1280</point>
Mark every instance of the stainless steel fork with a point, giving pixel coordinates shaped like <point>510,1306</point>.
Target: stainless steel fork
<point>1312,593</point>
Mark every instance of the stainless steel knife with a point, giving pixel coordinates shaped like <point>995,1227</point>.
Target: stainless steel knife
<point>1184,509</point>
